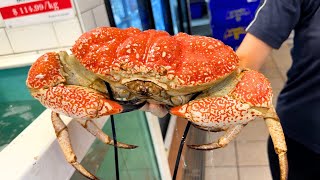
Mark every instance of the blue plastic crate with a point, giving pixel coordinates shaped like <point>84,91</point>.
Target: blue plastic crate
<point>197,9</point>
<point>232,16</point>
<point>231,36</point>
<point>231,3</point>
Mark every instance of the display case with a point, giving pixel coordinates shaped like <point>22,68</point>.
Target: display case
<point>18,108</point>
<point>139,163</point>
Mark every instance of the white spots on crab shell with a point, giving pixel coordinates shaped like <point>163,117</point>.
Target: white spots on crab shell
<point>96,34</point>
<point>128,51</point>
<point>137,56</point>
<point>157,48</point>
<point>171,71</point>
<point>40,76</point>
<point>163,54</point>
<point>113,40</point>
<point>152,55</point>
<point>207,79</point>
<point>80,46</point>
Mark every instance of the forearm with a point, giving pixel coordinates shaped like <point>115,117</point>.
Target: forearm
<point>253,52</point>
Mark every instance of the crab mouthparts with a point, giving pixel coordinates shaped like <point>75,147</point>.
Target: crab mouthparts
<point>127,106</point>
<point>144,88</point>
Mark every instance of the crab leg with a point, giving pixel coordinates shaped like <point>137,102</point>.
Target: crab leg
<point>224,140</point>
<point>62,134</point>
<point>278,139</point>
<point>209,129</point>
<point>98,133</point>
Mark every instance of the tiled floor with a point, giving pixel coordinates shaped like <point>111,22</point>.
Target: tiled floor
<point>246,158</point>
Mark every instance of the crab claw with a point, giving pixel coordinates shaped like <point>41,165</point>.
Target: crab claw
<point>77,102</point>
<point>218,112</point>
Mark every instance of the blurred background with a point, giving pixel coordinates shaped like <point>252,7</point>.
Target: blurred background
<point>30,28</point>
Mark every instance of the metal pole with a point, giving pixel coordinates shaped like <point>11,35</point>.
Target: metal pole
<point>110,13</point>
<point>113,127</point>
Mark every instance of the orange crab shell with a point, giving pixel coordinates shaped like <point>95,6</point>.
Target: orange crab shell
<point>177,61</point>
<point>45,72</point>
<point>254,89</point>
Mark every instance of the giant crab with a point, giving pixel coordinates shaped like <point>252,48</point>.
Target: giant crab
<point>195,77</point>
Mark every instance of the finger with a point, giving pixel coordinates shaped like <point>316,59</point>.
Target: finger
<point>155,109</point>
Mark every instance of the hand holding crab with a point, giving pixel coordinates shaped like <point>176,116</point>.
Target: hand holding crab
<point>154,67</point>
